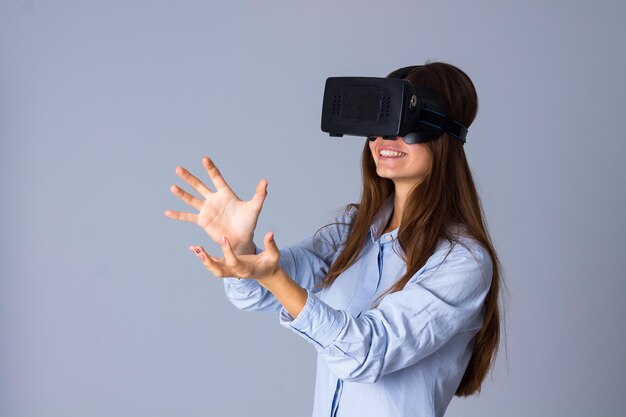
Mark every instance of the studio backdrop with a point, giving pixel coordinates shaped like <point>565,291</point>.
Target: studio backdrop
<point>105,312</point>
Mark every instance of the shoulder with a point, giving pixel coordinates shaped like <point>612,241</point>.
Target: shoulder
<point>343,216</point>
<point>349,211</point>
<point>466,245</point>
<point>476,254</point>
<point>335,230</point>
<point>463,260</point>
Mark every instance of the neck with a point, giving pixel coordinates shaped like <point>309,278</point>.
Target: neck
<point>396,215</point>
<point>401,194</point>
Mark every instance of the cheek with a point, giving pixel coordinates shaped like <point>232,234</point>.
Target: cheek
<point>420,162</point>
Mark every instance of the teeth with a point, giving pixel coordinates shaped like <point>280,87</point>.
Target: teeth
<point>391,153</point>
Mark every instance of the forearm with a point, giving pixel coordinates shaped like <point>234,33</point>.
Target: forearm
<point>287,291</point>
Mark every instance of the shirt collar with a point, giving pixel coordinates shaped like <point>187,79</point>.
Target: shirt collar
<point>382,218</point>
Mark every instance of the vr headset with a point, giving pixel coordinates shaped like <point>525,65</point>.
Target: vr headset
<point>387,107</point>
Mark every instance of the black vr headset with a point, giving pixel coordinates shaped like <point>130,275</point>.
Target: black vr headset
<point>387,107</point>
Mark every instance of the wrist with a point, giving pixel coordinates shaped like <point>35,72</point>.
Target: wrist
<point>287,291</point>
<point>275,280</point>
<point>244,248</point>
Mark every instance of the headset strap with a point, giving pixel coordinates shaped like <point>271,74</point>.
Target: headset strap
<point>442,122</point>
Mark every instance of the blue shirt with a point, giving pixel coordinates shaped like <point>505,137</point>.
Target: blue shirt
<point>406,357</point>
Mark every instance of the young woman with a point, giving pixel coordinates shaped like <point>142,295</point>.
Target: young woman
<point>399,294</point>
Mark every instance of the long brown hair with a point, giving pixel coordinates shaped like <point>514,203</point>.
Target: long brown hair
<point>446,196</point>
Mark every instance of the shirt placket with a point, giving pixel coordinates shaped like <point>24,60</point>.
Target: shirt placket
<point>369,287</point>
<point>360,302</point>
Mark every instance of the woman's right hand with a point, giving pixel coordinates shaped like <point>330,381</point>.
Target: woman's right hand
<point>221,213</point>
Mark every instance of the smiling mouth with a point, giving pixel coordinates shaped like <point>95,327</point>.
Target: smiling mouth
<point>387,155</point>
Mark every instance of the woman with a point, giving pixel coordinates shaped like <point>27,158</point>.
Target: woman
<point>399,294</point>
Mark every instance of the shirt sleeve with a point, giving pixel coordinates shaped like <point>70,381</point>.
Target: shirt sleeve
<point>307,262</point>
<point>440,301</point>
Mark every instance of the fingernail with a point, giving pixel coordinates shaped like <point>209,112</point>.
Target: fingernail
<point>223,240</point>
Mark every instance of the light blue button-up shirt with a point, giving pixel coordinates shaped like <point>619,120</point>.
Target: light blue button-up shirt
<point>406,357</point>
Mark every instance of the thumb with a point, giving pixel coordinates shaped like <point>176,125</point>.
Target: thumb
<point>259,195</point>
<point>270,243</point>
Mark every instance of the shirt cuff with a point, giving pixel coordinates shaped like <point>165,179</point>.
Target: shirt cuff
<point>243,285</point>
<point>317,322</point>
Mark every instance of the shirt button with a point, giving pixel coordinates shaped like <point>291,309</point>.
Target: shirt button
<point>388,237</point>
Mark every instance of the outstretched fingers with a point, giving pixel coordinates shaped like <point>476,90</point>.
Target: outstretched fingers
<point>186,197</point>
<point>208,261</point>
<point>214,173</point>
<point>236,267</point>
<point>229,254</point>
<point>192,180</point>
<point>229,266</point>
<point>178,215</point>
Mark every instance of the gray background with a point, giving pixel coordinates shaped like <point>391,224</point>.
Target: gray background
<point>104,311</point>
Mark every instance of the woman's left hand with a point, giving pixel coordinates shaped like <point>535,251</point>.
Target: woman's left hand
<point>262,266</point>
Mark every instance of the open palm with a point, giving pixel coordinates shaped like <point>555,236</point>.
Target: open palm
<point>222,212</point>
